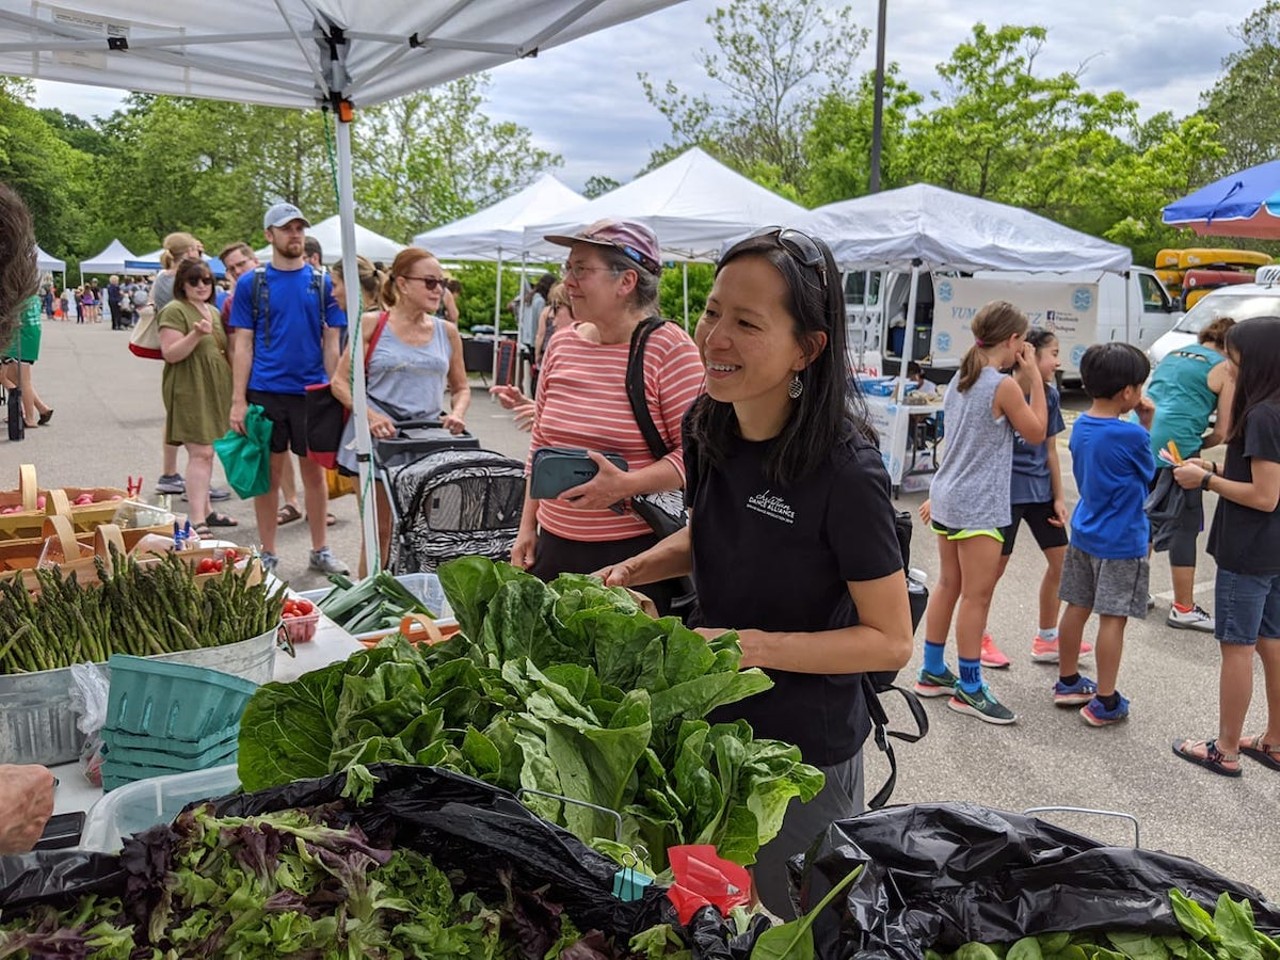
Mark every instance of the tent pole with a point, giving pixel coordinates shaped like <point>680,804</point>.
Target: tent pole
<point>359,401</point>
<point>497,316</point>
<point>1128,335</point>
<point>909,340</point>
<point>686,296</point>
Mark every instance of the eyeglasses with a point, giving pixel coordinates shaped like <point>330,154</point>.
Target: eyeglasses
<point>802,247</point>
<point>430,283</point>
<point>579,270</point>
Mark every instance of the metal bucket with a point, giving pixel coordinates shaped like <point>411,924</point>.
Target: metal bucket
<point>37,724</point>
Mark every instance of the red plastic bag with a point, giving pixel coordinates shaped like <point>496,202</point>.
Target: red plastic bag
<point>704,879</point>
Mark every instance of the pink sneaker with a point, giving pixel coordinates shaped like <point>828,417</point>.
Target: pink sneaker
<point>991,656</point>
<point>1046,651</point>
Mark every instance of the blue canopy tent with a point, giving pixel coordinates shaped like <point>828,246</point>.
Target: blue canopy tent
<point>148,264</point>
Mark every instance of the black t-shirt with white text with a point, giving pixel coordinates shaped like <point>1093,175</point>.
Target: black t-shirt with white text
<point>1244,540</point>
<point>780,560</point>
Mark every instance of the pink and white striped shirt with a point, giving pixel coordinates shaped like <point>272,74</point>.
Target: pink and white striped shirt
<point>582,402</point>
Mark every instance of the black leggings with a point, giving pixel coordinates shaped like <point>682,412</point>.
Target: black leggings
<point>1182,548</point>
<point>556,555</point>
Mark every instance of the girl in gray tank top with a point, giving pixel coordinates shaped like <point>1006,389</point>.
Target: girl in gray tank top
<point>970,500</point>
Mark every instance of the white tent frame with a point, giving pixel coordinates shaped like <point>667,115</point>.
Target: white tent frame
<point>255,67</point>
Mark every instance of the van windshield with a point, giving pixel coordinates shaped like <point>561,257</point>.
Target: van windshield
<point>1237,306</point>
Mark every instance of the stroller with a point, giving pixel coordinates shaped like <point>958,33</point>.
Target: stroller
<point>448,497</point>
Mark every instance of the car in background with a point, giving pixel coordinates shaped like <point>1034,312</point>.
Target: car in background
<point>1240,302</point>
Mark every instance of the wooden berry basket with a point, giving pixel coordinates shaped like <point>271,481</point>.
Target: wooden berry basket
<point>86,516</point>
<point>27,522</point>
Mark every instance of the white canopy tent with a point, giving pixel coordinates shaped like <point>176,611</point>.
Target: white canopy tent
<point>46,261</point>
<point>369,244</point>
<point>693,203</point>
<point>110,260</point>
<point>923,227</point>
<point>295,53</point>
<point>498,230</point>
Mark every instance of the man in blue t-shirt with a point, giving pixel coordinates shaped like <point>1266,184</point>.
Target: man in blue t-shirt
<point>285,328</point>
<point>1106,570</point>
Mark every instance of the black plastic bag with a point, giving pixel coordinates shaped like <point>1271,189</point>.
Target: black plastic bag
<point>941,875</point>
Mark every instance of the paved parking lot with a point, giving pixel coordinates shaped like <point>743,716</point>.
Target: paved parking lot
<point>108,422</point>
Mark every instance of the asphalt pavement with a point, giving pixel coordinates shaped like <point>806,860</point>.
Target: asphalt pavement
<point>108,425</point>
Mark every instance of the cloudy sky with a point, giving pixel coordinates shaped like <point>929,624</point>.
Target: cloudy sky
<point>584,102</point>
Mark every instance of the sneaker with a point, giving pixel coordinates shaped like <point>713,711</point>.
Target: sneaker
<point>1197,618</point>
<point>1046,651</point>
<point>981,705</point>
<point>935,684</point>
<point>1074,694</point>
<point>324,561</point>
<point>1096,714</point>
<point>268,560</point>
<point>171,483</point>
<point>1151,602</point>
<point>991,657</point>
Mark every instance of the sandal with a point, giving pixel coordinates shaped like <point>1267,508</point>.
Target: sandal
<point>330,519</point>
<point>1211,758</point>
<point>46,417</point>
<point>1266,754</point>
<point>287,514</point>
<point>217,519</point>
<point>202,531</point>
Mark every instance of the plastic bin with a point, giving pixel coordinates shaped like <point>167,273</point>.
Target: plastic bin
<point>301,629</point>
<point>137,806</point>
<point>173,700</point>
<point>425,586</point>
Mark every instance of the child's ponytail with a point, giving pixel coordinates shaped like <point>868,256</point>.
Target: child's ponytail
<point>995,323</point>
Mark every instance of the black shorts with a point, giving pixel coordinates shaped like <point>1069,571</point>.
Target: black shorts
<point>288,415</point>
<point>1037,516</point>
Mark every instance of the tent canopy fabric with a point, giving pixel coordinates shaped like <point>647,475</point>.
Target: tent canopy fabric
<point>45,261</point>
<point>1245,204</point>
<point>929,226</point>
<point>498,230</point>
<point>279,52</point>
<point>693,203</point>
<point>110,260</point>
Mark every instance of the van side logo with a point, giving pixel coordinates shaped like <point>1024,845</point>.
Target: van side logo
<point>775,508</point>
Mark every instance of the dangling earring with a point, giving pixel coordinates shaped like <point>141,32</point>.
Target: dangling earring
<point>795,387</point>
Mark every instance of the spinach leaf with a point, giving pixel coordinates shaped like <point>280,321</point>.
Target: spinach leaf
<point>794,940</point>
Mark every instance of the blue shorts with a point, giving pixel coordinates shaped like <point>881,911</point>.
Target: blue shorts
<point>1246,607</point>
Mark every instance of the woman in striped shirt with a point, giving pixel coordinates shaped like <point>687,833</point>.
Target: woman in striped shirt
<point>611,277</point>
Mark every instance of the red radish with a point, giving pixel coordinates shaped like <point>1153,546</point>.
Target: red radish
<point>40,502</point>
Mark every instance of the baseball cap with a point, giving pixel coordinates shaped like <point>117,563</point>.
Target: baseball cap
<point>635,240</point>
<point>282,213</point>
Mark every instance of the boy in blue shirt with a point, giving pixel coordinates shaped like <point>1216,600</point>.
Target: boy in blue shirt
<point>1106,569</point>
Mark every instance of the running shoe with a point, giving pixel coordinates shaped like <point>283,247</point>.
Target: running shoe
<point>935,684</point>
<point>1074,694</point>
<point>991,657</point>
<point>1096,714</point>
<point>171,483</point>
<point>324,561</point>
<point>268,560</point>
<point>1197,618</point>
<point>1046,651</point>
<point>982,705</point>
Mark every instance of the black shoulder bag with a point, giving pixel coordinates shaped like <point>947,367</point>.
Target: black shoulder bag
<point>664,512</point>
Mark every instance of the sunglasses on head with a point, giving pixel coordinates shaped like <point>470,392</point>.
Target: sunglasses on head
<point>802,248</point>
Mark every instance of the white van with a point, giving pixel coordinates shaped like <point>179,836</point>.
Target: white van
<point>879,323</point>
<point>1239,302</point>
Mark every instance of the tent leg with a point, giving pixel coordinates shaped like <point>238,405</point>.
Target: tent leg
<point>685,268</point>
<point>497,316</point>
<point>359,400</point>
<point>910,338</point>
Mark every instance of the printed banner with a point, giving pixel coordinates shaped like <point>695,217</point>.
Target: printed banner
<point>891,421</point>
<point>1070,310</point>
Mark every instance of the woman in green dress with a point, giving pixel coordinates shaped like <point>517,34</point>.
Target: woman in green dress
<point>196,384</point>
<point>18,359</point>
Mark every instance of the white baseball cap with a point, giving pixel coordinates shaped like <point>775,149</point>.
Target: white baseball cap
<point>282,213</point>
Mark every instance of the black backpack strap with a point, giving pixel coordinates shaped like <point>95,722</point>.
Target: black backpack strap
<point>635,386</point>
<point>882,733</point>
<point>260,304</point>
<point>317,287</point>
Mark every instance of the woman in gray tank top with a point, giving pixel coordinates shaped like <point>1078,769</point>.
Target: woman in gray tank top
<point>969,500</point>
<point>415,358</point>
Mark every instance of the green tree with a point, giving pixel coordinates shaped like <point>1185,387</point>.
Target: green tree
<point>837,145</point>
<point>671,292</point>
<point>598,185</point>
<point>772,63</point>
<point>432,157</point>
<point>1245,100</point>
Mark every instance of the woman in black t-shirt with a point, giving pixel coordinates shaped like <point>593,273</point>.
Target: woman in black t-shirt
<point>791,536</point>
<point>1245,541</point>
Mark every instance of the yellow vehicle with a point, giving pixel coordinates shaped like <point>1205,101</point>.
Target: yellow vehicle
<point>1209,257</point>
